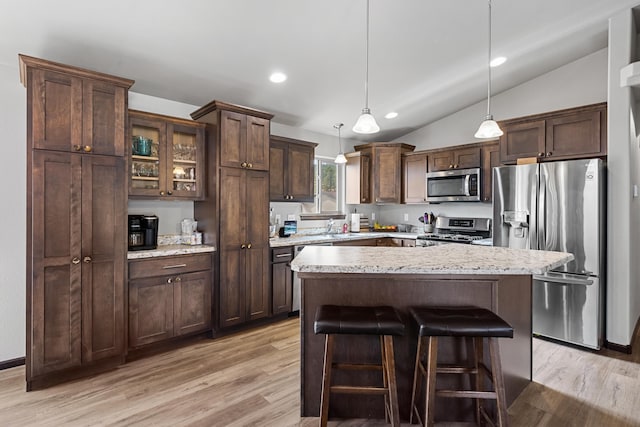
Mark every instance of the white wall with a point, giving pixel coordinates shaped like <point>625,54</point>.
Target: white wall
<point>13,118</point>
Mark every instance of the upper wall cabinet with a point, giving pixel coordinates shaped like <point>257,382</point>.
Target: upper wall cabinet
<point>490,159</point>
<point>81,111</point>
<point>414,179</point>
<point>383,180</point>
<point>458,158</point>
<point>167,157</point>
<point>291,170</point>
<point>566,134</point>
<point>246,141</point>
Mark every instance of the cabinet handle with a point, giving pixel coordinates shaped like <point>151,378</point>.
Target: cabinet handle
<point>455,166</point>
<point>249,165</point>
<point>86,259</point>
<point>249,246</point>
<point>450,166</point>
<point>166,267</point>
<point>75,260</point>
<point>243,246</point>
<point>170,280</point>
<point>364,199</point>
<point>162,193</point>
<point>77,147</point>
<point>169,193</point>
<point>178,279</point>
<point>549,154</point>
<point>540,154</point>
<point>87,148</point>
<point>243,164</point>
<point>283,255</point>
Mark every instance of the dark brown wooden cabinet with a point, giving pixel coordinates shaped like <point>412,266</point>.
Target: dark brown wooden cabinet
<point>169,297</point>
<point>281,279</point>
<point>559,135</point>
<point>76,226</point>
<point>414,178</point>
<point>459,158</point>
<point>246,141</point>
<point>173,168</point>
<point>381,174</point>
<point>291,170</point>
<point>490,159</point>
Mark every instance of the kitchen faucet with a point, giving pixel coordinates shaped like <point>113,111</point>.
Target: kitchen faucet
<point>329,225</point>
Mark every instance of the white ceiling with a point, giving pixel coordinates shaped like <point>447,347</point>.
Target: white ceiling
<point>427,58</point>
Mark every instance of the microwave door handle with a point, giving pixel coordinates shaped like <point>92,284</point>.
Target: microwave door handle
<point>467,177</point>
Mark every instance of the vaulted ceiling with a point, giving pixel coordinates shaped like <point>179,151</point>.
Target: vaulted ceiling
<point>427,58</point>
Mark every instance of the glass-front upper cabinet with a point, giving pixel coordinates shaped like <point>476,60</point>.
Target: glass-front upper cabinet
<point>167,157</point>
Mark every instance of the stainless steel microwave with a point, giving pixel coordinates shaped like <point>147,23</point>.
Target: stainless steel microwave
<point>455,185</point>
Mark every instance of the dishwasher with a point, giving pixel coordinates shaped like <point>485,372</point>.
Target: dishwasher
<point>295,303</point>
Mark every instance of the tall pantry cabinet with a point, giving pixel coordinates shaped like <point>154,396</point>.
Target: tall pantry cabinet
<point>235,212</point>
<point>76,226</point>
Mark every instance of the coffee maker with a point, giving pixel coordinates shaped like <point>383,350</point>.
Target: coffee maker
<point>143,232</point>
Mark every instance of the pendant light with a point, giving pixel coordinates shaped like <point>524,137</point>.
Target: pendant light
<point>489,128</point>
<point>340,158</point>
<point>366,123</point>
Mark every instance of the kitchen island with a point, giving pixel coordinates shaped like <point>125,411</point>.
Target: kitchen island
<point>495,278</point>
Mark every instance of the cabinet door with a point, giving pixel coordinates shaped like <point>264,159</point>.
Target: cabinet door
<point>358,178</point>
<point>387,187</point>
<point>148,175</point>
<point>440,160</point>
<point>257,252</point>
<point>300,173</point>
<point>490,159</point>
<point>54,295</point>
<point>232,246</point>
<point>521,140</point>
<point>55,110</point>
<point>233,139</point>
<point>257,140</point>
<point>574,136</point>
<point>277,172</point>
<point>414,178</point>
<point>104,241</point>
<point>281,287</point>
<point>103,118</point>
<point>150,310</point>
<point>185,161</point>
<point>466,158</point>
<point>192,303</point>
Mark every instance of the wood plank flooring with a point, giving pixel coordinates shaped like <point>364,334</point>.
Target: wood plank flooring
<point>252,379</point>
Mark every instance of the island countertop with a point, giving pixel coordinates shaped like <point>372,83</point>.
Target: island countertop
<point>443,259</point>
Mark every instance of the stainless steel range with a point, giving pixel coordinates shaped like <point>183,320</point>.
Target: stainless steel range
<point>456,230</point>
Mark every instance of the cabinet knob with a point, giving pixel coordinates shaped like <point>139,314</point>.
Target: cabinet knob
<point>86,259</point>
<point>243,164</point>
<point>162,193</point>
<point>75,260</point>
<point>549,154</point>
<point>243,246</point>
<point>178,279</point>
<point>364,199</point>
<point>87,148</point>
<point>450,166</point>
<point>170,280</point>
<point>249,246</point>
<point>249,165</point>
<point>455,166</point>
<point>169,192</point>
<point>77,147</point>
<point>540,154</point>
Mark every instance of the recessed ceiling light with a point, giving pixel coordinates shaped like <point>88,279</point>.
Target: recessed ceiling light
<point>498,61</point>
<point>391,115</point>
<point>278,77</point>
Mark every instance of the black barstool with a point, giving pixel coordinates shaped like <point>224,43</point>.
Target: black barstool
<point>383,321</point>
<point>472,322</point>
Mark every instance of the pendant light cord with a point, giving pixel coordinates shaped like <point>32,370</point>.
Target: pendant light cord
<point>366,73</point>
<point>489,66</point>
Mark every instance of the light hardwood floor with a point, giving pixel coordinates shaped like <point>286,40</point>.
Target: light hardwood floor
<point>252,379</point>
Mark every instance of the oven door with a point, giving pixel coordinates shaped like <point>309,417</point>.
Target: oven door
<point>460,185</point>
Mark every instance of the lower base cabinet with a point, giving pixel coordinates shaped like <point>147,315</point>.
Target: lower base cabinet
<point>169,305</point>
<point>281,280</point>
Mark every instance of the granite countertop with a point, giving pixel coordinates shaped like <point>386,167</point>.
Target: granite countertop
<point>168,250</point>
<point>314,239</point>
<point>443,259</point>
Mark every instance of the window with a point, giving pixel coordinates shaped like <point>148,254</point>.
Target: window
<point>328,190</point>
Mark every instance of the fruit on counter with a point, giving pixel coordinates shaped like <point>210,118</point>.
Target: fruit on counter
<point>378,226</point>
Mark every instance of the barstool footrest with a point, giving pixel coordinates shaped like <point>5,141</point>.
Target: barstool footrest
<point>352,389</point>
<point>357,366</point>
<point>467,394</point>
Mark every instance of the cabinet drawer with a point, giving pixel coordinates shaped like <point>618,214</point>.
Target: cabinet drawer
<point>163,266</point>
<point>282,254</point>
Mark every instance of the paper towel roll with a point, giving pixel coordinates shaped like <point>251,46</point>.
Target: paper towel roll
<point>355,222</point>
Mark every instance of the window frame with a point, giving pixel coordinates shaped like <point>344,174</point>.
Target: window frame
<point>317,199</point>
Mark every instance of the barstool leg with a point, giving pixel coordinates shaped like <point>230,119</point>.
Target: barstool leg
<point>393,388</point>
<point>417,379</point>
<point>479,380</point>
<point>432,361</point>
<point>326,380</point>
<point>385,379</point>
<point>498,382</point>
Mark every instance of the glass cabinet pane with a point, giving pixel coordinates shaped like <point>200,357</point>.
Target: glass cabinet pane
<point>145,157</point>
<point>184,160</point>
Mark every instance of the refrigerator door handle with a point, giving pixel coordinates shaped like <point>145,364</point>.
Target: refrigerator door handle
<point>542,209</point>
<point>564,280</point>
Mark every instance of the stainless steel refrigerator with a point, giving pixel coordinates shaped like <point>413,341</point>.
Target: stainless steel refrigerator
<point>558,206</point>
